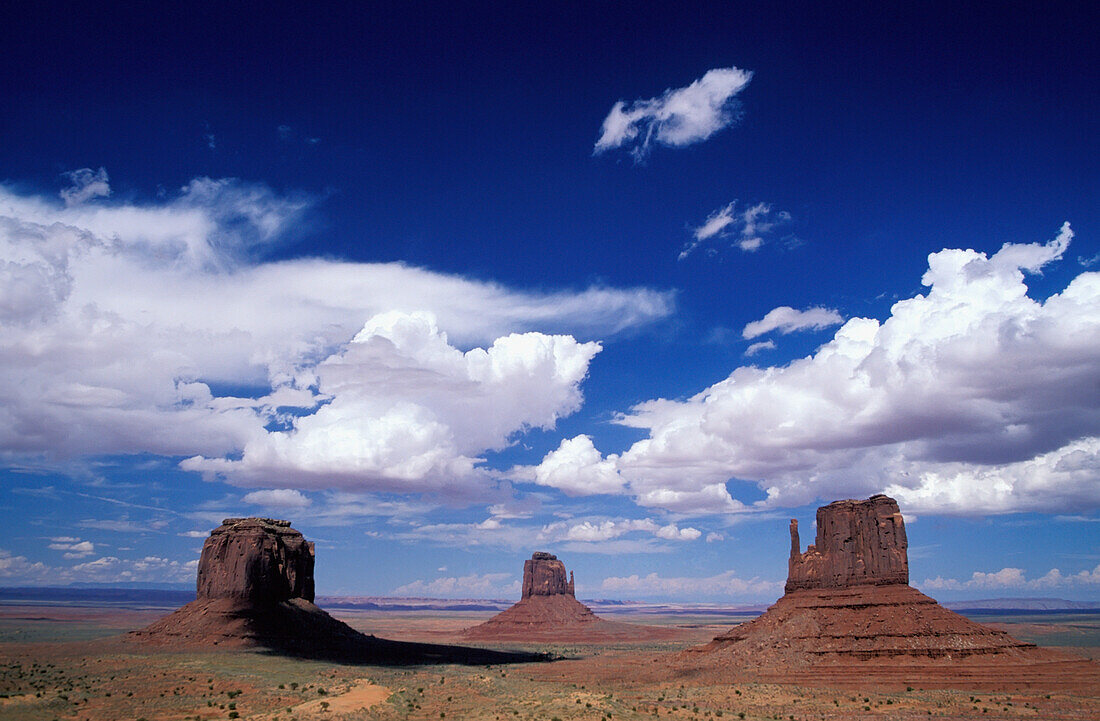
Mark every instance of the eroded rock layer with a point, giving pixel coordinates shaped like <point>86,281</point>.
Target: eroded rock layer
<point>255,590</point>
<point>549,611</point>
<point>848,605</point>
<point>863,622</point>
<point>858,543</point>
<point>258,560</point>
<point>544,575</point>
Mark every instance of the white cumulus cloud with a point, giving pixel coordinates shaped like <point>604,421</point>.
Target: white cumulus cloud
<point>678,117</point>
<point>577,469</point>
<point>973,397</point>
<point>280,498</point>
<point>410,412</point>
<point>1016,578</point>
<point>117,319</point>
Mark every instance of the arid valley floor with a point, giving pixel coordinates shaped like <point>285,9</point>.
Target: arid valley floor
<point>60,662</point>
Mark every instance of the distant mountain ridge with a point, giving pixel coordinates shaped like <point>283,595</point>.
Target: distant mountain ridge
<point>1024,604</point>
<point>131,595</point>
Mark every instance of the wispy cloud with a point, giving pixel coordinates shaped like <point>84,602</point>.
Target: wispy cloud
<point>748,229</point>
<point>86,184</point>
<point>487,585</point>
<point>678,117</point>
<point>788,320</point>
<point>723,585</point>
<point>759,347</point>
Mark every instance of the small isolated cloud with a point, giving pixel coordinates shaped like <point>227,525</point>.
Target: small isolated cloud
<point>758,347</point>
<point>788,320</point>
<point>79,549</point>
<point>749,229</point>
<point>599,531</point>
<point>194,534</point>
<point>725,585</point>
<point>678,117</point>
<point>282,498</point>
<point>1015,578</point>
<point>673,533</point>
<point>487,585</point>
<point>86,184</point>
<point>714,537</point>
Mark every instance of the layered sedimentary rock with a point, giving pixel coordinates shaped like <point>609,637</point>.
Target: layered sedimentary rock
<point>255,589</point>
<point>258,560</point>
<point>858,542</point>
<point>544,575</point>
<point>848,601</point>
<point>549,611</point>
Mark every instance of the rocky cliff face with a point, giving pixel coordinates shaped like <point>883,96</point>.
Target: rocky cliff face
<point>544,575</point>
<point>858,543</point>
<point>256,561</point>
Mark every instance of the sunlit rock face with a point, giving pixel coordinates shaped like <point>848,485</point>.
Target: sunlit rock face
<point>858,543</point>
<point>848,600</point>
<point>544,575</point>
<point>256,560</point>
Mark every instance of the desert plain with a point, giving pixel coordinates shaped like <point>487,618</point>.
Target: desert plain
<point>848,639</point>
<point>64,662</point>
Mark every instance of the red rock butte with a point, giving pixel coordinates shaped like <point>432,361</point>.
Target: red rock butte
<point>849,615</point>
<point>255,589</point>
<point>548,611</point>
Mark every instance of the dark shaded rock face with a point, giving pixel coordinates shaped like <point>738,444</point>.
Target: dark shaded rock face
<point>858,543</point>
<point>256,560</point>
<point>544,575</point>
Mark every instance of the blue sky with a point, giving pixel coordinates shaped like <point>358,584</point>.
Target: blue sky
<point>447,285</point>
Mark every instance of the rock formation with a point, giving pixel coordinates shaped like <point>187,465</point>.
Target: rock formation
<point>255,589</point>
<point>544,575</point>
<point>257,560</point>
<point>858,542</point>
<point>848,602</point>
<point>549,611</point>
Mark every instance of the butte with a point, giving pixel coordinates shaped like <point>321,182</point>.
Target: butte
<point>255,589</point>
<point>549,611</point>
<point>849,616</point>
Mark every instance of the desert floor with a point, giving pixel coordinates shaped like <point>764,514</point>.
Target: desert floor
<point>73,663</point>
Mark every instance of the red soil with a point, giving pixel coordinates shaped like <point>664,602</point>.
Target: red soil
<point>560,619</point>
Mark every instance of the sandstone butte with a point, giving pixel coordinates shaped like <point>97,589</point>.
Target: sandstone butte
<point>548,611</point>
<point>255,589</point>
<point>849,615</point>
